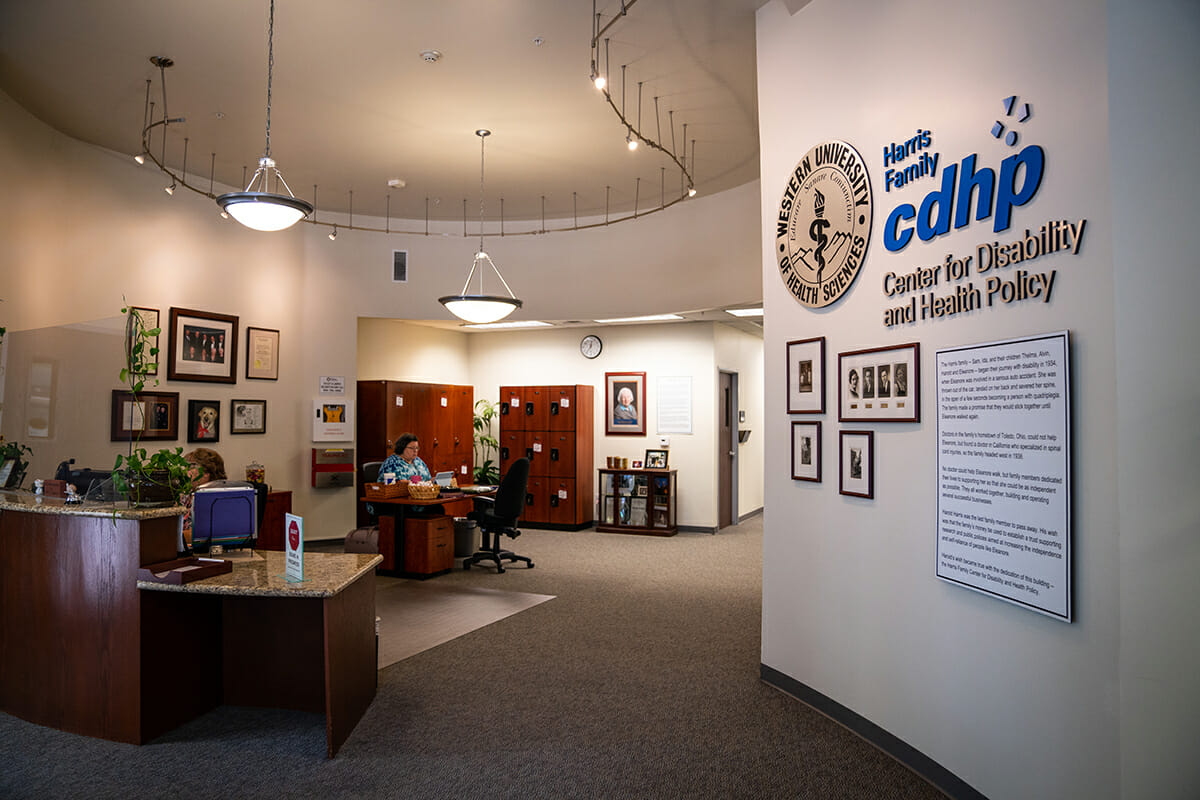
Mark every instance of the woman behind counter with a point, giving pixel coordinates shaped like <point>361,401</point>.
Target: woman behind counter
<point>207,466</point>
<point>405,463</point>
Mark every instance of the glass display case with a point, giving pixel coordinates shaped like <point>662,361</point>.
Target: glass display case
<point>637,501</point>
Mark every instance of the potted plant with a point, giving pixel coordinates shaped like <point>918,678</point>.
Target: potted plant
<point>487,472</point>
<point>16,453</point>
<point>161,477</point>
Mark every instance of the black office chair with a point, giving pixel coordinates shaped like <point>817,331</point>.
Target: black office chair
<point>498,515</point>
<point>368,472</point>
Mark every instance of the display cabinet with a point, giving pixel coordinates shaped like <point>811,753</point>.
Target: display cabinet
<point>637,501</point>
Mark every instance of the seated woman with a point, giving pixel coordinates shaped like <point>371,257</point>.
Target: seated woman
<point>207,466</point>
<point>404,463</point>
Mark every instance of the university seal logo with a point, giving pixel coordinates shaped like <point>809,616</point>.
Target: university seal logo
<point>824,224</point>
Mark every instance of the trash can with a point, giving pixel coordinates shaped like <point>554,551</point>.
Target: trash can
<point>466,537</point>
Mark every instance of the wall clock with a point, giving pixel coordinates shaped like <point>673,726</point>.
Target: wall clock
<point>590,346</point>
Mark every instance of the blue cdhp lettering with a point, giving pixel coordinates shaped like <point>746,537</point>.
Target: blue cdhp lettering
<point>933,219</point>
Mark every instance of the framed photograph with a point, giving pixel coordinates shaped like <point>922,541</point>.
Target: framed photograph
<point>625,412</point>
<point>806,376</point>
<point>153,416</point>
<point>247,416</point>
<point>204,421</point>
<point>636,465</point>
<point>656,459</point>
<point>262,354</point>
<point>203,347</point>
<point>856,463</point>
<point>880,385</point>
<point>806,451</point>
<point>6,470</point>
<point>149,320</point>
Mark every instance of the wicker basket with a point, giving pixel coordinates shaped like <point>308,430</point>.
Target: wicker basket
<point>423,491</point>
<point>383,491</point>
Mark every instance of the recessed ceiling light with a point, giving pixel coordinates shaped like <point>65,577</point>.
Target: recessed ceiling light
<point>532,323</point>
<point>745,312</point>
<point>649,318</point>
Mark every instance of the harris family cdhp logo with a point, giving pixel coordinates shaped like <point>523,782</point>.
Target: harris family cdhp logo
<point>824,223</point>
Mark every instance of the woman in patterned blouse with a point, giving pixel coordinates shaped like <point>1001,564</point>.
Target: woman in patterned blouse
<point>405,463</point>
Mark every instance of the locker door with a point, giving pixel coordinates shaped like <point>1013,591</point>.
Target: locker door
<point>512,408</point>
<point>562,500</point>
<point>537,500</point>
<point>537,408</point>
<point>537,447</point>
<point>561,457</point>
<point>512,447</point>
<point>562,408</point>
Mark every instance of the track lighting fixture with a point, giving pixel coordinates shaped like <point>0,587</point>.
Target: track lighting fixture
<point>333,234</point>
<point>259,208</point>
<point>140,157</point>
<point>481,307</point>
<point>631,141</point>
<point>170,189</point>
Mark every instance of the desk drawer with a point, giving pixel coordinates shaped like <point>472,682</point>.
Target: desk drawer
<point>428,545</point>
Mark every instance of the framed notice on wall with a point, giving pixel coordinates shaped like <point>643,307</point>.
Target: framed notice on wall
<point>1004,470</point>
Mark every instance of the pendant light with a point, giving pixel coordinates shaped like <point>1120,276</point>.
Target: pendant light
<point>257,207</point>
<point>481,308</point>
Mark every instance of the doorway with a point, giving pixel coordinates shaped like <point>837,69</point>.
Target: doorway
<point>727,463</point>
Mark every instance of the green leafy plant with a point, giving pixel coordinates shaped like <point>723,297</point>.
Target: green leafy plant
<point>487,471</point>
<point>17,451</point>
<point>161,476</point>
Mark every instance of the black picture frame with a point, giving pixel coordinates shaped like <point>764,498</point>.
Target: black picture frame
<point>204,421</point>
<point>856,464</point>
<point>806,451</point>
<point>656,459</point>
<point>806,376</point>
<point>880,384</point>
<point>247,416</point>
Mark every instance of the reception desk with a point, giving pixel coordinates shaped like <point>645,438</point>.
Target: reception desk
<point>90,649</point>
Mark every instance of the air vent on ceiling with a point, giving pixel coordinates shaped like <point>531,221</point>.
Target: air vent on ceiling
<point>399,266</point>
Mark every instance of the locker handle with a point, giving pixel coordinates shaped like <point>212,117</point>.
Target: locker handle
<point>529,453</point>
<point>554,408</point>
<point>528,499</point>
<point>554,501</point>
<point>504,409</point>
<point>554,454</point>
<point>504,453</point>
<point>529,409</point>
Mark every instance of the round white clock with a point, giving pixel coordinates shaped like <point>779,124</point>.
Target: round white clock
<point>590,346</point>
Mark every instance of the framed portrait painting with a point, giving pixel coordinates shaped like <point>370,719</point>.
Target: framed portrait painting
<point>806,376</point>
<point>625,409</point>
<point>856,463</point>
<point>203,347</point>
<point>204,421</point>
<point>150,416</point>
<point>806,451</point>
<point>247,416</point>
<point>882,384</point>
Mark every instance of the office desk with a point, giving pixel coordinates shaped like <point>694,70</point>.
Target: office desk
<point>262,641</point>
<point>410,550</point>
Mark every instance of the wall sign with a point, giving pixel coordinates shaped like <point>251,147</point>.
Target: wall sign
<point>1004,471</point>
<point>824,224</point>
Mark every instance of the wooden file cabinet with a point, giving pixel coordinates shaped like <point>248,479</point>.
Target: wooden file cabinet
<point>428,545</point>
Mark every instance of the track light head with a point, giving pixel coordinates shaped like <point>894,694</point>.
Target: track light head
<point>631,141</point>
<point>691,191</point>
<point>140,158</point>
<point>333,234</point>
<point>170,189</point>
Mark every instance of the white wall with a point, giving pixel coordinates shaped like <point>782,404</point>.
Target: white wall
<point>83,227</point>
<point>1153,66</point>
<point>1015,704</point>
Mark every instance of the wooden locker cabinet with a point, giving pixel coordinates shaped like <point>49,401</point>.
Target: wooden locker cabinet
<point>552,426</point>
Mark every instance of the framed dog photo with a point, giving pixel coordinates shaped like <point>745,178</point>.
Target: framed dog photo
<point>880,385</point>
<point>247,416</point>
<point>856,463</point>
<point>806,451</point>
<point>203,347</point>
<point>806,376</point>
<point>204,421</point>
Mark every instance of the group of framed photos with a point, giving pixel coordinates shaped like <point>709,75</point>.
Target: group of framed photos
<point>203,347</point>
<point>880,384</point>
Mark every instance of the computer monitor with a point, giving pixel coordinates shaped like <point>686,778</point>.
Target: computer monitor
<point>443,479</point>
<point>225,514</point>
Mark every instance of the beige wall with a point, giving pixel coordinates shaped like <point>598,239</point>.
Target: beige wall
<point>83,227</point>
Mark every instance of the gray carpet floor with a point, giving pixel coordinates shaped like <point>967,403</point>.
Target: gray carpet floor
<point>639,680</point>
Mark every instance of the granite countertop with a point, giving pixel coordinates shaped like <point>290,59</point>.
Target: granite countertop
<point>23,500</point>
<point>325,574</point>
